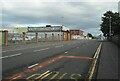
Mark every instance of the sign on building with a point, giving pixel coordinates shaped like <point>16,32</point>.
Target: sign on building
<point>45,29</point>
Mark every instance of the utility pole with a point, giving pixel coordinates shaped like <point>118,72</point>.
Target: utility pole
<point>110,25</point>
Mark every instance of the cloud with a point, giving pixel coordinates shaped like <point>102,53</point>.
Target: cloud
<point>80,15</point>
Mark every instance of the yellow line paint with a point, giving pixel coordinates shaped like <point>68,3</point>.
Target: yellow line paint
<point>61,76</point>
<point>42,74</point>
<point>32,76</point>
<point>56,73</point>
<point>15,77</point>
<point>46,75</point>
<point>92,69</point>
<point>74,75</point>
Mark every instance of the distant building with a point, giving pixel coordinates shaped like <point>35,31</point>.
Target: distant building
<point>77,34</point>
<point>42,33</point>
<point>50,33</point>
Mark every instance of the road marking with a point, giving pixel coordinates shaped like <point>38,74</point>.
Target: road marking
<point>28,48</point>
<point>43,64</point>
<point>80,57</point>
<point>32,76</point>
<point>42,74</point>
<point>15,55</point>
<point>56,73</point>
<point>19,75</point>
<point>11,56</point>
<point>41,50</point>
<point>92,68</point>
<point>72,76</point>
<point>16,77</point>
<point>59,46</point>
<point>66,52</point>
<point>46,75</point>
<point>33,65</point>
<point>61,76</point>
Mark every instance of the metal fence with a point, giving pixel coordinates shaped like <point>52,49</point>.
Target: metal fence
<point>19,39</point>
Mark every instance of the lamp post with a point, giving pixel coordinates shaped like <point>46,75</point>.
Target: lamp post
<point>110,28</point>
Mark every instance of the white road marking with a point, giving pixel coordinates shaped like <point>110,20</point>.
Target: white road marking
<point>41,49</point>
<point>66,52</point>
<point>59,46</point>
<point>15,55</point>
<point>28,48</point>
<point>11,56</point>
<point>33,65</point>
<point>4,57</point>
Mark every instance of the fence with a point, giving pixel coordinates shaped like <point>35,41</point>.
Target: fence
<point>36,37</point>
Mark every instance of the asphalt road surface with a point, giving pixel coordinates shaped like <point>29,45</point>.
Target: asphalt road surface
<point>65,60</point>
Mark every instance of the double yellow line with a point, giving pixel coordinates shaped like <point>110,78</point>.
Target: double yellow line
<point>95,58</point>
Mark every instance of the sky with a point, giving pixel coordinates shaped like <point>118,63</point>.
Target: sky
<point>76,14</point>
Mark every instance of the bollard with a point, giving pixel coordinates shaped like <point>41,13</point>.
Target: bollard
<point>24,41</point>
<point>58,37</point>
<point>53,37</point>
<point>46,37</point>
<point>37,38</point>
<point>6,38</point>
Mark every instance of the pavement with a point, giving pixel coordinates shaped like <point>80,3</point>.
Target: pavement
<point>79,59</point>
<point>108,63</point>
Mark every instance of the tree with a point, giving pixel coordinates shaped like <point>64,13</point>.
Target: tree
<point>89,35</point>
<point>115,23</point>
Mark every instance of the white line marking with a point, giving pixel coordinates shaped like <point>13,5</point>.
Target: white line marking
<point>11,56</point>
<point>27,48</point>
<point>33,65</point>
<point>15,55</point>
<point>59,46</point>
<point>41,49</point>
<point>66,52</point>
<point>4,57</point>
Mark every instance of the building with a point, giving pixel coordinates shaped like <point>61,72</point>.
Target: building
<point>41,34</point>
<point>77,34</point>
<point>50,33</point>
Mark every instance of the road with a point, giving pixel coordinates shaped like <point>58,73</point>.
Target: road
<point>64,60</point>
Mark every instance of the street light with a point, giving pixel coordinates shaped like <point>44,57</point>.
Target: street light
<point>110,28</point>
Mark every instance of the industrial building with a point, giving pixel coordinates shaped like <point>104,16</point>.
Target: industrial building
<point>50,33</point>
<point>40,34</point>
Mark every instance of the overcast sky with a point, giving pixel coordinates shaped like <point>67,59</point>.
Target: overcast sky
<point>76,14</point>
